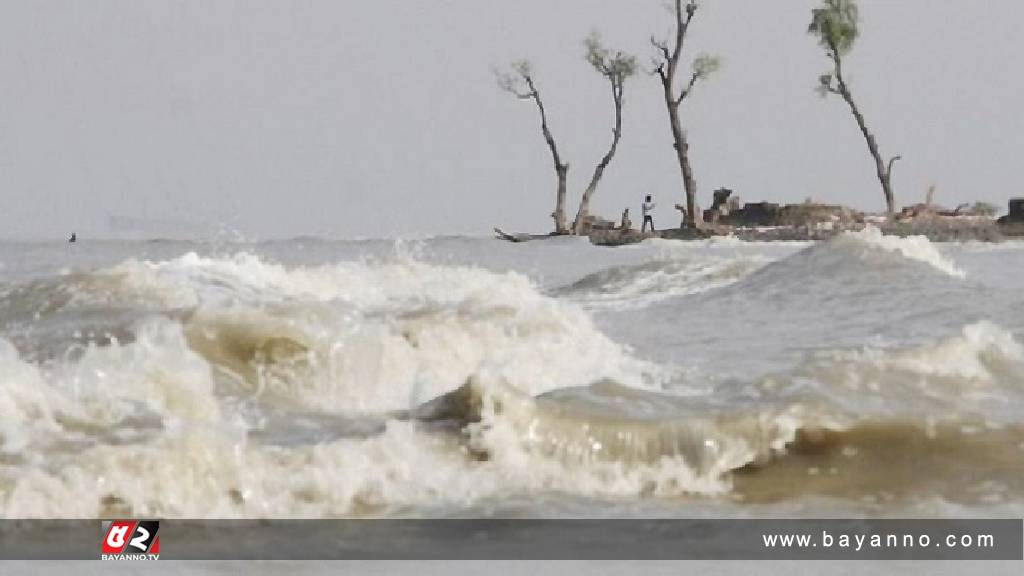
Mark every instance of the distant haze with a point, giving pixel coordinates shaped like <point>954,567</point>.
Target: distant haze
<point>382,118</point>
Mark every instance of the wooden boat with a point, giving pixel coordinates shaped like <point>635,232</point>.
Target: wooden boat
<point>522,237</point>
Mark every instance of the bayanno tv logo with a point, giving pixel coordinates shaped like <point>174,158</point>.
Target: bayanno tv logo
<point>130,540</point>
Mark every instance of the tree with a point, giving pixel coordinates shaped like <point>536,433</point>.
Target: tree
<point>667,69</point>
<point>616,68</point>
<point>836,26</point>
<point>520,83</point>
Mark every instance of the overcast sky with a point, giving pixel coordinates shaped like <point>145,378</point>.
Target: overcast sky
<point>350,118</point>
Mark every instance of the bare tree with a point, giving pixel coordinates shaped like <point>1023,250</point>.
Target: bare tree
<point>836,26</point>
<point>520,83</point>
<point>616,68</point>
<point>667,69</point>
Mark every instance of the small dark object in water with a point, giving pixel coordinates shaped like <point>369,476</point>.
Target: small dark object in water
<point>73,239</point>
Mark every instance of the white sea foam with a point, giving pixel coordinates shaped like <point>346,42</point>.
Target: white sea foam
<point>200,462</point>
<point>172,421</point>
<point>27,402</point>
<point>637,286</point>
<point>852,265</point>
<point>364,336</point>
<point>212,472</point>
<point>152,433</point>
<point>103,386</point>
<point>917,248</point>
<point>978,372</point>
<point>982,352</point>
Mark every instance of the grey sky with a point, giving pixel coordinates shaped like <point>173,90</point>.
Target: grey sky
<point>381,117</point>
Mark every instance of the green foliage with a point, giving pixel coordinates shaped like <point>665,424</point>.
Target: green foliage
<point>835,24</point>
<point>705,65</point>
<point>616,66</point>
<point>523,68</point>
<point>517,80</point>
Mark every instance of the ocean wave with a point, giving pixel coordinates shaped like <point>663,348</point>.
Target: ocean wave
<point>640,285</point>
<point>204,410</point>
<point>354,336</point>
<point>853,262</point>
<point>96,388</point>
<point>598,442</point>
<point>917,248</point>
<point>975,247</point>
<point>886,466</point>
<point>732,242</point>
<point>173,420</point>
<point>490,440</point>
<point>977,373</point>
<point>512,444</point>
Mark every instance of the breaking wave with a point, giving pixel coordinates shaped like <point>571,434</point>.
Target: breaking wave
<point>350,337</point>
<point>917,248</point>
<point>978,373</point>
<point>222,372</point>
<point>861,262</point>
<point>235,387</point>
<point>851,258</point>
<point>148,432</point>
<point>637,286</point>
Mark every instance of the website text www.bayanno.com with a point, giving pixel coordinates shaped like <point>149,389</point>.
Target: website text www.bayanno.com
<point>825,539</point>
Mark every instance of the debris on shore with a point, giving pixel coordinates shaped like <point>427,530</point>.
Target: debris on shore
<point>1013,223</point>
<point>810,221</point>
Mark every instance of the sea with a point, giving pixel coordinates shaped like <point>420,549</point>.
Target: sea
<point>463,377</point>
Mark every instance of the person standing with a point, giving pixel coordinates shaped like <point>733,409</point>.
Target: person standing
<point>648,208</point>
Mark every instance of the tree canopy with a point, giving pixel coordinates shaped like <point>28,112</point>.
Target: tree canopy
<point>704,65</point>
<point>836,24</point>
<point>518,81</point>
<point>616,66</point>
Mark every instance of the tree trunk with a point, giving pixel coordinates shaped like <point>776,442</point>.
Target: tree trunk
<point>584,210</point>
<point>667,74</point>
<point>561,168</point>
<point>884,173</point>
<point>561,225</point>
<point>682,146</point>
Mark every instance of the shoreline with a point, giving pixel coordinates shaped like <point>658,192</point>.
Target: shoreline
<point>988,231</point>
